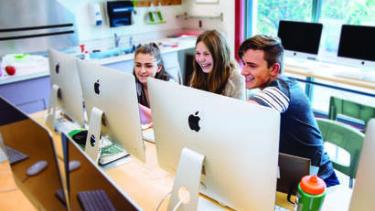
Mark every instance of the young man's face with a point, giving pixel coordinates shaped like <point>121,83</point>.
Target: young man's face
<point>255,69</point>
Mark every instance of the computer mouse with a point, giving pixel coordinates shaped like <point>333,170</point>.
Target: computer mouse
<point>73,165</point>
<point>36,168</point>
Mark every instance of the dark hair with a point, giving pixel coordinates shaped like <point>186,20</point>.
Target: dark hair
<point>272,47</point>
<point>153,50</point>
<point>215,80</point>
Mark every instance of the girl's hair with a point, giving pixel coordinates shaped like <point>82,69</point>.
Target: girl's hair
<point>153,50</point>
<point>215,80</point>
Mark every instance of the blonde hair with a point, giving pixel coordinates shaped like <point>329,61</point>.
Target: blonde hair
<point>215,80</point>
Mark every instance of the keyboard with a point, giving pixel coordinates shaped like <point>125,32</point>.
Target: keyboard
<point>64,126</point>
<point>148,135</point>
<point>14,156</point>
<point>96,200</point>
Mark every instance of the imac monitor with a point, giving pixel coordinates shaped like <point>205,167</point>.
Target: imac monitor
<point>357,42</point>
<point>300,37</point>
<point>88,186</point>
<point>36,169</point>
<point>112,107</point>
<point>66,92</point>
<point>239,142</point>
<point>364,187</point>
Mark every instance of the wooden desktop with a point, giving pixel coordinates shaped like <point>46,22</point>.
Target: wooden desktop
<point>146,183</point>
<point>327,72</point>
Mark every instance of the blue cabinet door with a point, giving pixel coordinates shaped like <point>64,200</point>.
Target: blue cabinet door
<point>28,95</point>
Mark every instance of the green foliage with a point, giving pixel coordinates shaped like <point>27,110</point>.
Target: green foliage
<point>333,14</point>
<point>271,11</point>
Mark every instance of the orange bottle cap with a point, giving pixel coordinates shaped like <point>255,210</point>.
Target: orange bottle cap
<point>312,185</point>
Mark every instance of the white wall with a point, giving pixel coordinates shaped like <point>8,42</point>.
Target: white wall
<point>226,26</point>
<point>87,31</point>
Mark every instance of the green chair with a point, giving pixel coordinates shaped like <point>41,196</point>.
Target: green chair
<point>347,138</point>
<point>351,109</point>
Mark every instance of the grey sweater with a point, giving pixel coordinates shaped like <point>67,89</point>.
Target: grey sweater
<point>235,86</point>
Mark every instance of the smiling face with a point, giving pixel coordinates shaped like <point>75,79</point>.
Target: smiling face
<point>204,57</point>
<point>145,65</point>
<point>256,70</point>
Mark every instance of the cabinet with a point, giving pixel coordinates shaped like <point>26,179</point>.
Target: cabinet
<point>147,3</point>
<point>29,95</point>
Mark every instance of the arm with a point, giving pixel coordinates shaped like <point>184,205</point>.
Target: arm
<point>271,97</point>
<point>236,87</point>
<point>146,117</point>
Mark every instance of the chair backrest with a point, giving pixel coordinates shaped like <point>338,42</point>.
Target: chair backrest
<point>351,109</point>
<point>345,137</point>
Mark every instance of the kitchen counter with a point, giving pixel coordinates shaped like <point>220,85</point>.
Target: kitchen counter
<point>29,89</point>
<point>167,46</point>
<point>17,78</point>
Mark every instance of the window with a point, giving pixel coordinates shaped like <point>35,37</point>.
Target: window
<point>271,11</point>
<point>263,17</point>
<point>337,12</point>
<point>332,13</point>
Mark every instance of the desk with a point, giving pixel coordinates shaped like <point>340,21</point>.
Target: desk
<point>330,73</point>
<point>11,197</point>
<point>147,184</point>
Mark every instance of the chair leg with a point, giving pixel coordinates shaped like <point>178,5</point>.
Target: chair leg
<point>350,182</point>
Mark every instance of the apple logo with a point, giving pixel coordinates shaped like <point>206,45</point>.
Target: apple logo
<point>96,87</point>
<point>57,68</point>
<point>92,140</point>
<point>194,121</point>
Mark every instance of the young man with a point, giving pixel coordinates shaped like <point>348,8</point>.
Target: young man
<point>262,58</point>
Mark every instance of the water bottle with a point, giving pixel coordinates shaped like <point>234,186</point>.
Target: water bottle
<point>311,193</point>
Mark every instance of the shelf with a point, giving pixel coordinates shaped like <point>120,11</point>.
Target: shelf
<point>185,16</point>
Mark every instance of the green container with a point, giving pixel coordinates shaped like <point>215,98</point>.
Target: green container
<point>308,202</point>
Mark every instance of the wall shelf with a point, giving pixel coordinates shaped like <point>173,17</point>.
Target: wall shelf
<point>186,16</point>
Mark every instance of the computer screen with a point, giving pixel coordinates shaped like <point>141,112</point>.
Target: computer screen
<point>364,187</point>
<point>64,75</point>
<point>302,37</point>
<point>88,186</point>
<point>357,42</point>
<point>291,170</point>
<point>114,93</point>
<point>238,139</point>
<point>32,158</point>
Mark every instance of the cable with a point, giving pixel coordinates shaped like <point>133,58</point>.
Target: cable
<point>162,200</point>
<point>177,205</point>
<point>24,179</point>
<point>8,190</point>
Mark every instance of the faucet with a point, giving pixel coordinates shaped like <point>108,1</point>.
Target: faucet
<point>116,40</point>
<point>130,41</point>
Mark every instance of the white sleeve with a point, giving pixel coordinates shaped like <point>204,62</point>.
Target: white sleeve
<point>273,98</point>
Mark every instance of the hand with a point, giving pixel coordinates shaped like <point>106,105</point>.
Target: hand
<point>146,126</point>
<point>145,114</point>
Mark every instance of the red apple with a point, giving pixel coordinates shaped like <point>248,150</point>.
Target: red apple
<point>11,70</point>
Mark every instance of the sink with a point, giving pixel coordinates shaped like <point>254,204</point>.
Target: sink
<point>111,53</point>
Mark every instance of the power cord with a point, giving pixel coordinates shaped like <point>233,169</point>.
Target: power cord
<point>181,201</point>
<point>162,200</point>
<point>178,205</point>
<point>8,190</point>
